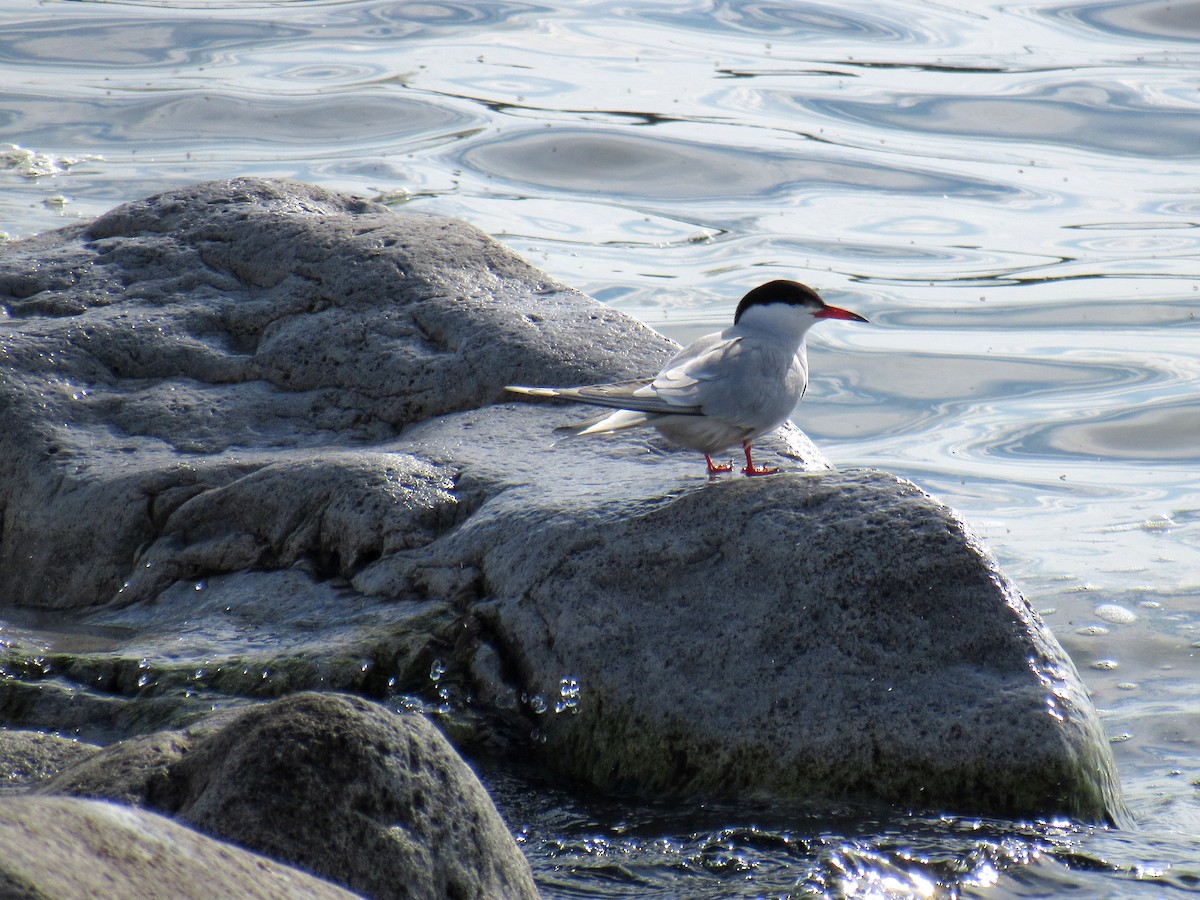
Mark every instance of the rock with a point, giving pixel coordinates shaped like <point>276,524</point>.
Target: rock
<point>237,330</point>
<point>258,431</point>
<point>127,772</point>
<point>27,757</point>
<point>368,798</point>
<point>68,848</point>
<point>840,635</point>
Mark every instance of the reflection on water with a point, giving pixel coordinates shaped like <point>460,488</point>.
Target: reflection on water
<point>1149,19</point>
<point>604,849</point>
<point>655,169</point>
<point>198,120</point>
<point>1090,115</point>
<point>1008,191</point>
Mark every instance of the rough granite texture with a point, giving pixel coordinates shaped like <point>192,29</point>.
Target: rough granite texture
<point>28,757</point>
<point>256,432</point>
<point>371,799</point>
<point>69,849</point>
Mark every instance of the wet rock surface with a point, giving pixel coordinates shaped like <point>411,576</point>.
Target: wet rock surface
<point>259,445</point>
<point>30,757</point>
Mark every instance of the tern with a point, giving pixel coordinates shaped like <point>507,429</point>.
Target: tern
<point>724,389</point>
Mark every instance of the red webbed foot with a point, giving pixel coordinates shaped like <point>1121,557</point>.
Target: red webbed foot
<point>752,469</point>
<point>714,469</point>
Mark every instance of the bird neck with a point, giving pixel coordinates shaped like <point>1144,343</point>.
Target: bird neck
<point>778,322</point>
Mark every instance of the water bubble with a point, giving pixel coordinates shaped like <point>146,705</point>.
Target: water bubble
<point>538,704</point>
<point>1091,630</point>
<point>568,693</point>
<point>1162,524</point>
<point>437,670</point>
<point>1115,614</point>
<point>1105,665</point>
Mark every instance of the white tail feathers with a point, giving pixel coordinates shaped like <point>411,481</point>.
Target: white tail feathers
<point>606,423</point>
<point>532,391</point>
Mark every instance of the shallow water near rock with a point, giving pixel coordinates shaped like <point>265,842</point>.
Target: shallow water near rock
<point>1006,190</point>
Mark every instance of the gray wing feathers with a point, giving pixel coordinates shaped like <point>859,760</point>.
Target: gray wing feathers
<point>701,378</point>
<point>640,395</point>
<point>693,383</point>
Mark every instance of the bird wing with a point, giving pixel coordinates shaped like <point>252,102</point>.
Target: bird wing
<point>751,384</point>
<point>639,395</point>
<point>736,379</point>
<point>693,383</point>
<point>700,375</point>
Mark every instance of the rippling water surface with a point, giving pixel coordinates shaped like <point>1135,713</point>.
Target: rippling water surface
<point>1009,190</point>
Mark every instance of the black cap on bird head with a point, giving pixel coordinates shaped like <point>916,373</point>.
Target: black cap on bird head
<point>792,293</point>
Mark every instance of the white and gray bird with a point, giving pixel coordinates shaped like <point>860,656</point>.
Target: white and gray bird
<point>724,389</point>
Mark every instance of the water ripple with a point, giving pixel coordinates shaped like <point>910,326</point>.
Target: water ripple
<point>190,119</point>
<point>614,162</point>
<point>1088,115</point>
<point>397,18</point>
<point>1149,19</point>
<point>315,75</point>
<point>1160,432</point>
<point>129,42</point>
<point>810,21</point>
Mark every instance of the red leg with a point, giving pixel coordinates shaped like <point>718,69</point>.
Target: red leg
<point>750,468</point>
<point>714,469</point>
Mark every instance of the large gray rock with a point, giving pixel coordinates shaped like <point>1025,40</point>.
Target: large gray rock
<point>177,346</point>
<point>258,431</point>
<point>371,799</point>
<point>73,849</point>
<point>797,636</point>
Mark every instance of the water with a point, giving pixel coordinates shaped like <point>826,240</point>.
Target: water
<point>1009,190</point>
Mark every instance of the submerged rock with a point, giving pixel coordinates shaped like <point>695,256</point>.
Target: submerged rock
<point>259,435</point>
